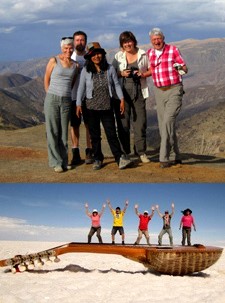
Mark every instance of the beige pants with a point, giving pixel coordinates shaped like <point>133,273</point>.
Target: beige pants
<point>140,233</point>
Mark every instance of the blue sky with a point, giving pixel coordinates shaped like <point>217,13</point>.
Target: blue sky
<point>32,28</point>
<point>55,212</point>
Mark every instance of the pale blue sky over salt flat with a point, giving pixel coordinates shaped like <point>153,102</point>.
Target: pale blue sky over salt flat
<point>33,28</point>
<point>55,212</point>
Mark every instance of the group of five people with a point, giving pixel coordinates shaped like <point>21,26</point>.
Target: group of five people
<point>80,81</point>
<point>186,223</point>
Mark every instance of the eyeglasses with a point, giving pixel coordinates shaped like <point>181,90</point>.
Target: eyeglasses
<point>64,38</point>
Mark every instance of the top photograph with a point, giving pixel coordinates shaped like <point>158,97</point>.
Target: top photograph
<point>119,95</point>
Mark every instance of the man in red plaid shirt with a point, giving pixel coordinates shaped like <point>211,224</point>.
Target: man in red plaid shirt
<point>167,67</point>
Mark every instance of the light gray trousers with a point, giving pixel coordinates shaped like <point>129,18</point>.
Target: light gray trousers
<point>162,233</point>
<point>57,116</point>
<point>168,104</point>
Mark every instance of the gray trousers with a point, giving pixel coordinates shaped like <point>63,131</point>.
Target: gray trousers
<point>162,233</point>
<point>57,116</point>
<point>135,112</point>
<point>168,107</point>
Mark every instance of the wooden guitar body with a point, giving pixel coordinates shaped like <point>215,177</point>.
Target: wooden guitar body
<point>171,260</point>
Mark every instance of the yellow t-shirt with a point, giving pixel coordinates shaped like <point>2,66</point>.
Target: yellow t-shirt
<point>117,218</point>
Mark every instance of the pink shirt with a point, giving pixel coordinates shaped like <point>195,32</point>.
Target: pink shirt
<point>187,221</point>
<point>163,72</point>
<point>95,220</point>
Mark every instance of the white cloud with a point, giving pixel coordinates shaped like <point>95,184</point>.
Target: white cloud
<point>17,12</point>
<point>104,21</point>
<point>7,30</point>
<point>19,229</point>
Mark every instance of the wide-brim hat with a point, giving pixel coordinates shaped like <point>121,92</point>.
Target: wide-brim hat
<point>187,210</point>
<point>93,48</point>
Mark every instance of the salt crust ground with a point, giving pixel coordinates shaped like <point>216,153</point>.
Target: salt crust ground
<point>93,278</point>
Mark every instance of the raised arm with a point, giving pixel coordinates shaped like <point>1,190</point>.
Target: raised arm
<point>157,209</point>
<point>86,210</point>
<point>126,205</point>
<point>109,205</point>
<point>103,209</point>
<point>153,211</point>
<point>136,210</point>
<point>172,207</point>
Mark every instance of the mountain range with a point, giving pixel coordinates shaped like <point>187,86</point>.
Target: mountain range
<point>201,126</point>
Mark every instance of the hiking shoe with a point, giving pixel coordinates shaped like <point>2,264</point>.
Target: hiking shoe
<point>89,156</point>
<point>76,156</point>
<point>58,169</point>
<point>175,162</point>
<point>124,162</point>
<point>97,165</point>
<point>165,164</point>
<point>144,158</point>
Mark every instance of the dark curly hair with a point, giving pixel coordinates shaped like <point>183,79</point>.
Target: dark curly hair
<point>90,66</point>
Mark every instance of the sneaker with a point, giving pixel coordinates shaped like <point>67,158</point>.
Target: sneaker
<point>124,162</point>
<point>144,158</point>
<point>58,169</point>
<point>76,156</point>
<point>97,165</point>
<point>123,243</point>
<point>69,167</point>
<point>89,156</point>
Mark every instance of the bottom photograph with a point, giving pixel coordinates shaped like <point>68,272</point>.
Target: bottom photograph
<point>112,242</point>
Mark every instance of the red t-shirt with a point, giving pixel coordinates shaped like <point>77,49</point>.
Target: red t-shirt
<point>143,224</point>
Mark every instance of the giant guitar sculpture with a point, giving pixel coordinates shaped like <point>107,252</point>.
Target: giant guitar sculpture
<point>176,260</point>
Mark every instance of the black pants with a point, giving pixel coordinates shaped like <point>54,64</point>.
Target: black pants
<point>186,233</point>
<point>94,230</point>
<point>106,117</point>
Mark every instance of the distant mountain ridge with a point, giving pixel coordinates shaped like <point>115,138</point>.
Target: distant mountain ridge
<point>21,101</point>
<point>203,112</point>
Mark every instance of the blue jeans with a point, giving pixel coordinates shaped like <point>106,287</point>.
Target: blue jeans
<point>57,116</point>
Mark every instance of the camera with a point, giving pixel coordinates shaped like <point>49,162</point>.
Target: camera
<point>178,67</point>
<point>133,73</point>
